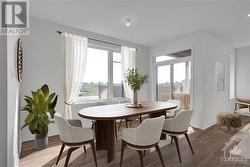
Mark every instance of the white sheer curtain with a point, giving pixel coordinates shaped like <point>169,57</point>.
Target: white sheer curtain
<point>128,62</point>
<point>74,52</point>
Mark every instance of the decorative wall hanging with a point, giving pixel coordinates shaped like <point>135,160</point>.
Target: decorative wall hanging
<point>19,60</point>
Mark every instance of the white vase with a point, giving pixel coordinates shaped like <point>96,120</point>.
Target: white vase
<point>135,98</point>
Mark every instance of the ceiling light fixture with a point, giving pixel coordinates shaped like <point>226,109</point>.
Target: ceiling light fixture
<point>248,15</point>
<point>127,21</point>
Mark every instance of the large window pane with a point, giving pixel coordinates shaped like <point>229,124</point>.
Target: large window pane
<point>181,83</point>
<point>117,76</point>
<point>163,83</point>
<point>95,84</point>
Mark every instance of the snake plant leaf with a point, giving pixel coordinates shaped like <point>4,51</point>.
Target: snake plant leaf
<point>51,97</point>
<point>29,118</point>
<point>27,108</point>
<point>45,90</point>
<point>33,124</point>
<point>53,104</point>
<point>28,100</point>
<point>24,125</point>
<point>35,96</point>
<point>52,113</point>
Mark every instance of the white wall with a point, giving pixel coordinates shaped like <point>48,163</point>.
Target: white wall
<point>243,72</point>
<point>12,102</point>
<point>206,49</point>
<point>42,64</point>
<point>3,100</point>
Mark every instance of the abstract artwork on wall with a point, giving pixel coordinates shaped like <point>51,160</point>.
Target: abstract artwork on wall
<point>219,76</point>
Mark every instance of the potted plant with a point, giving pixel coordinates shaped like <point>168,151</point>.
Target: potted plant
<point>41,110</point>
<point>135,81</point>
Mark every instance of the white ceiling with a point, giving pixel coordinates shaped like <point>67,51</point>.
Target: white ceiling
<point>153,21</point>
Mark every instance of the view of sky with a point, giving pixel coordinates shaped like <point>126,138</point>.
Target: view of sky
<point>164,73</point>
<point>97,66</point>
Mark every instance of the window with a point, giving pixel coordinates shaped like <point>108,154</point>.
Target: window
<point>117,75</point>
<point>103,76</point>
<point>163,83</point>
<point>174,77</point>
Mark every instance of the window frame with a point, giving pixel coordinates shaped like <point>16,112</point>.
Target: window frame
<point>171,64</point>
<point>111,97</point>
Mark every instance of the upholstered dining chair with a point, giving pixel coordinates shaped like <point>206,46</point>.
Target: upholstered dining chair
<point>74,136</point>
<point>177,126</point>
<point>173,112</point>
<point>144,137</point>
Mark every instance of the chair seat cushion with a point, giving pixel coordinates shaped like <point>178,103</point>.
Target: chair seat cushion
<point>130,136</point>
<point>79,135</point>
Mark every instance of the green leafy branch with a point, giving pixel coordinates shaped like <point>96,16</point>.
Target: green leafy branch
<point>134,79</point>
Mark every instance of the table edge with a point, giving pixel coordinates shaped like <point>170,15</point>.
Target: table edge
<point>122,117</point>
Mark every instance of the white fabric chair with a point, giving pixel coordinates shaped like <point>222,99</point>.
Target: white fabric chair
<point>144,137</point>
<point>178,126</point>
<point>74,136</point>
<point>173,112</point>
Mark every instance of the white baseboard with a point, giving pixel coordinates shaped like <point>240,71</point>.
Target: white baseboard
<point>208,125</point>
<point>16,162</point>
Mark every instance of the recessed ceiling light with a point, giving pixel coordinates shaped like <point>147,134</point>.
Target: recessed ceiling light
<point>248,15</point>
<point>127,21</point>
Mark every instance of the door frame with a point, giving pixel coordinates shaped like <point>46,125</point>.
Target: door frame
<point>173,61</point>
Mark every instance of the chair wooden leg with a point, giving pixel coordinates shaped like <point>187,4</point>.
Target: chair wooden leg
<point>189,142</point>
<point>144,153</point>
<point>93,151</point>
<point>159,153</point>
<point>120,124</point>
<point>69,154</point>
<point>177,147</point>
<point>172,140</point>
<point>122,151</point>
<point>141,158</point>
<point>130,123</point>
<point>85,150</point>
<point>140,119</point>
<point>61,151</point>
<point>126,123</point>
<point>115,130</point>
<point>93,124</point>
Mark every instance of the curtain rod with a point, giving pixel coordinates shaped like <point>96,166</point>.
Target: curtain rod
<point>97,40</point>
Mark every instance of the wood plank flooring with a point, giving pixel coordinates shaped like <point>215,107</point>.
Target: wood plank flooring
<point>207,144</point>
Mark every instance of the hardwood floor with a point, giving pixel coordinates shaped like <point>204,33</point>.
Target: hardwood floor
<point>207,144</point>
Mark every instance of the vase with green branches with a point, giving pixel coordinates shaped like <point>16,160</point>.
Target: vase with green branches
<point>41,109</point>
<point>135,81</point>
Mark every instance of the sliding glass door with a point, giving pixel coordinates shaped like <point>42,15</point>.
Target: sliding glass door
<point>181,83</point>
<point>174,81</point>
<point>163,83</point>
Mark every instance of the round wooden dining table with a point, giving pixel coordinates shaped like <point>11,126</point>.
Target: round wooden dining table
<point>106,115</point>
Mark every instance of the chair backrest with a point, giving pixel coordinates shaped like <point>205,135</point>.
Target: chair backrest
<point>178,104</point>
<point>181,122</point>
<point>63,127</point>
<point>149,132</point>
